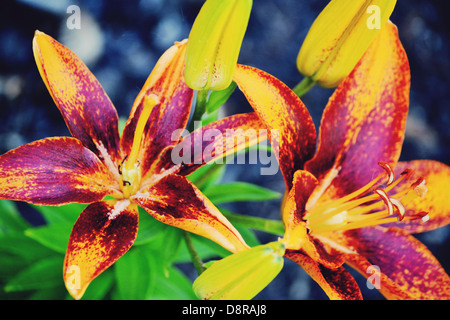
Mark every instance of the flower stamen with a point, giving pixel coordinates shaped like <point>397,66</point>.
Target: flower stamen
<point>360,209</point>
<point>130,167</point>
<point>383,195</point>
<point>400,208</point>
<point>389,171</point>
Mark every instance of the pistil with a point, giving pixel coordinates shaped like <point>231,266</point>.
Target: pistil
<point>130,168</point>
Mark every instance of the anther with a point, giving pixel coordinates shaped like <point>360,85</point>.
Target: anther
<point>400,208</point>
<point>388,170</point>
<point>121,164</point>
<point>420,188</point>
<point>383,195</point>
<point>424,216</point>
<point>408,172</point>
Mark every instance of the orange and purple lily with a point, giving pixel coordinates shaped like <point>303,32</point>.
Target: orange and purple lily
<point>349,199</point>
<point>133,169</point>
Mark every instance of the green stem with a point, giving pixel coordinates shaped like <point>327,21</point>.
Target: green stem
<point>200,107</point>
<point>304,86</point>
<point>267,225</point>
<point>196,260</point>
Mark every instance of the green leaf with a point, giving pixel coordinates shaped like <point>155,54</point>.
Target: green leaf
<point>19,245</point>
<point>218,98</point>
<point>206,249</point>
<point>172,242</point>
<point>149,228</point>
<point>172,284</point>
<point>10,265</point>
<point>46,273</point>
<point>275,227</point>
<point>209,118</point>
<point>207,175</point>
<point>100,287</point>
<point>53,236</point>
<point>248,235</point>
<point>239,191</point>
<point>67,213</point>
<point>55,293</point>
<point>10,218</point>
<point>122,123</point>
<point>134,274</point>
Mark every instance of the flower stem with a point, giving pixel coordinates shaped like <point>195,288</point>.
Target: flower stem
<point>267,225</point>
<point>304,86</point>
<point>200,107</point>
<point>196,260</point>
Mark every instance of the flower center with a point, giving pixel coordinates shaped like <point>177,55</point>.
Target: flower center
<point>130,168</point>
<point>368,206</point>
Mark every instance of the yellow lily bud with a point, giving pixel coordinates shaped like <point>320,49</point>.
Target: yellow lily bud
<point>214,43</point>
<point>339,37</point>
<point>242,275</point>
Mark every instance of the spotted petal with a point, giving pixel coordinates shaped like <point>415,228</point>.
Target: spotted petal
<point>54,171</point>
<point>166,81</point>
<point>408,270</point>
<point>280,109</point>
<point>177,202</point>
<point>102,234</point>
<point>338,284</point>
<point>436,200</point>
<point>297,238</point>
<point>364,121</point>
<point>86,108</point>
<point>217,140</point>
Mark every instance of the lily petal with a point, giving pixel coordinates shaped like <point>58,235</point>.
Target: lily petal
<point>297,236</point>
<point>338,284</point>
<point>217,140</point>
<point>436,200</point>
<point>167,82</point>
<point>86,108</point>
<point>54,171</point>
<point>102,234</point>
<point>280,109</point>
<point>293,211</point>
<point>364,121</point>
<point>177,202</point>
<point>409,269</point>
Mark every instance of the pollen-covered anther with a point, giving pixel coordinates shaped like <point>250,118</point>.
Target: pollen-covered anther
<point>400,208</point>
<point>420,187</point>
<point>383,195</point>
<point>389,171</point>
<point>408,173</point>
<point>424,216</point>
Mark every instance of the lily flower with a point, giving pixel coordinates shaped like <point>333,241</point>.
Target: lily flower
<point>351,200</point>
<point>339,37</point>
<point>133,169</point>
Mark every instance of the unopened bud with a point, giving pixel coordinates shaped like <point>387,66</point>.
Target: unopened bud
<point>242,275</point>
<point>214,43</point>
<point>339,37</point>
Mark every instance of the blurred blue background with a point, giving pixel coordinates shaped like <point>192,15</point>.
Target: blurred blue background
<point>120,42</point>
